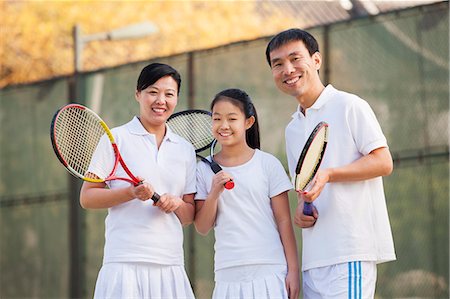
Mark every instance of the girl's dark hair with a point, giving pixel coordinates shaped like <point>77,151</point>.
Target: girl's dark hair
<point>291,35</point>
<point>155,71</point>
<point>242,100</point>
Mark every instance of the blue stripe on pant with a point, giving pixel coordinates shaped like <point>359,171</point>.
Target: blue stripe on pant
<point>354,280</point>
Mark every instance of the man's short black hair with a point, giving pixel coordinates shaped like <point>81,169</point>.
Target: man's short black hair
<point>291,35</point>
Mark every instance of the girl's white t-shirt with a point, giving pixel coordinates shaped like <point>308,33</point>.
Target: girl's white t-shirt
<point>137,231</point>
<point>353,223</point>
<point>245,230</point>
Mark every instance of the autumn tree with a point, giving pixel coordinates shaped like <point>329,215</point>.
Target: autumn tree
<point>36,36</point>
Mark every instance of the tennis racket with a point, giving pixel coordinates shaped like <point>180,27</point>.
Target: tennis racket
<point>75,132</point>
<point>310,160</point>
<point>196,127</point>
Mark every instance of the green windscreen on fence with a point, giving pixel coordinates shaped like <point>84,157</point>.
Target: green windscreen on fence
<point>398,62</point>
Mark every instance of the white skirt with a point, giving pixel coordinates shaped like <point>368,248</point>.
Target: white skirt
<point>251,282</point>
<point>142,280</point>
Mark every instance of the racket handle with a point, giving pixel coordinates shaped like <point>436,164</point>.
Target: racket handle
<point>216,168</point>
<point>308,208</point>
<point>155,197</point>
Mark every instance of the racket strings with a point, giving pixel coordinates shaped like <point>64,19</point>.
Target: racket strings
<point>311,160</point>
<point>194,127</point>
<point>77,134</point>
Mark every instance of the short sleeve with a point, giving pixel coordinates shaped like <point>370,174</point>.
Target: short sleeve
<point>278,179</point>
<point>202,189</point>
<point>191,174</point>
<point>365,128</point>
<point>103,159</point>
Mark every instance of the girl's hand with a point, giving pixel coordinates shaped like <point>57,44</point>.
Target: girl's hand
<point>168,203</point>
<point>293,284</point>
<point>218,182</point>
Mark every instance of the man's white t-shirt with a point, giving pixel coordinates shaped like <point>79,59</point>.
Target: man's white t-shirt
<point>246,231</point>
<point>136,231</point>
<point>353,223</point>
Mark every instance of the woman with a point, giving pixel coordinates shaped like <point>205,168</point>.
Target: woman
<point>143,254</point>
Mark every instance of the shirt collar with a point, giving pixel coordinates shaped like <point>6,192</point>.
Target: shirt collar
<point>171,136</point>
<point>135,127</point>
<point>323,98</point>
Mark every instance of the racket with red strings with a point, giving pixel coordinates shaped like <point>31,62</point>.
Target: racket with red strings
<point>309,161</point>
<point>75,132</point>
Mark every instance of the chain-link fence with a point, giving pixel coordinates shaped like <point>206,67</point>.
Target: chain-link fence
<point>398,62</point>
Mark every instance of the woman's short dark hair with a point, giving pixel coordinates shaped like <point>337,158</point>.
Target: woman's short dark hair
<point>155,71</point>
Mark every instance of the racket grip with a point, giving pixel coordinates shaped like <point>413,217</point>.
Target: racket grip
<point>308,208</point>
<point>155,197</point>
<point>215,167</point>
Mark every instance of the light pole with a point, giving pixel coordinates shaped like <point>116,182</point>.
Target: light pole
<point>129,32</point>
<point>77,236</point>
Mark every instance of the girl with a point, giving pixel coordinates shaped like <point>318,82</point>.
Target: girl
<point>255,249</point>
<point>143,254</point>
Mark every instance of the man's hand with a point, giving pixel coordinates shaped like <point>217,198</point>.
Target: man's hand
<point>320,180</point>
<point>302,220</point>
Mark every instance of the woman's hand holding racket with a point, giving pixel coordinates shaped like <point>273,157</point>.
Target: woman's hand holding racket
<point>143,191</point>
<point>168,203</point>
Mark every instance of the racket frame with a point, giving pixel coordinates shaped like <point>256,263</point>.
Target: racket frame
<point>307,209</point>
<point>187,112</point>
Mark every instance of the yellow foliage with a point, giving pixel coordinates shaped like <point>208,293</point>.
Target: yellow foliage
<point>36,36</point>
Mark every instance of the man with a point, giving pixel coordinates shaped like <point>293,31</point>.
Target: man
<point>349,233</point>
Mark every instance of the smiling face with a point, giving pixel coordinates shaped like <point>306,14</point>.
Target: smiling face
<point>157,102</point>
<point>295,72</point>
<point>229,123</point>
